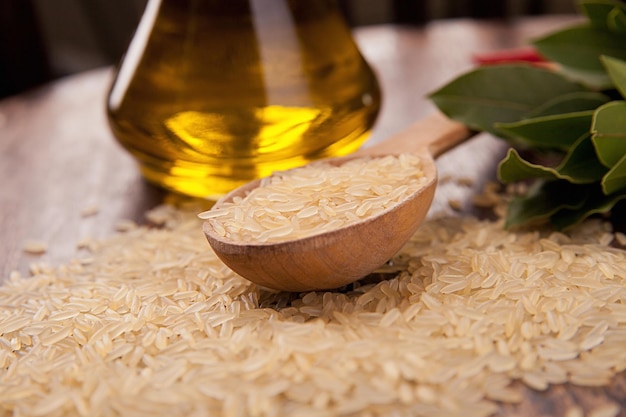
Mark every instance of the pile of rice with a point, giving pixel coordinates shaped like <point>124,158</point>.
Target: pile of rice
<point>317,198</point>
<point>153,324</point>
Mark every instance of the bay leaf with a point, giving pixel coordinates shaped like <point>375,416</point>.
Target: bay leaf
<point>616,69</point>
<point>514,168</point>
<point>591,176</point>
<point>598,11</point>
<point>558,131</point>
<point>615,179</point>
<point>579,166</point>
<point>609,132</point>
<point>596,79</point>
<point>570,103</point>
<point>500,93</point>
<point>595,203</point>
<point>580,47</point>
<point>617,20</point>
<point>542,201</point>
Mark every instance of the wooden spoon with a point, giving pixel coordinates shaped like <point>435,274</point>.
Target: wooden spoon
<point>339,257</point>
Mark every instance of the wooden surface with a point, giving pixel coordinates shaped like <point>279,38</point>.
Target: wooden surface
<point>58,158</point>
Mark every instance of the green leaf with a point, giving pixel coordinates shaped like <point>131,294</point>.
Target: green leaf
<point>500,93</point>
<point>616,68</point>
<point>578,48</point>
<point>549,132</point>
<point>598,11</point>
<point>595,203</point>
<point>615,179</point>
<point>514,168</point>
<point>609,132</point>
<point>543,200</point>
<point>579,166</point>
<point>560,113</point>
<point>617,20</point>
<point>598,80</point>
<point>570,103</point>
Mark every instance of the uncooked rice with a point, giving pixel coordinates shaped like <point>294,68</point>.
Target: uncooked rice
<point>35,247</point>
<point>317,198</point>
<point>154,324</point>
<point>90,210</point>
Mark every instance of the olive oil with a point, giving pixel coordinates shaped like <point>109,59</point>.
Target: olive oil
<point>213,94</point>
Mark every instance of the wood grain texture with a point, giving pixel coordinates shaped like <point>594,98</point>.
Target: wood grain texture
<point>57,157</point>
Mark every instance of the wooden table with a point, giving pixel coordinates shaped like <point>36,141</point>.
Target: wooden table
<point>58,157</point>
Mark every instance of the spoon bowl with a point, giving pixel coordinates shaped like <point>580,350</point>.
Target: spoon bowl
<point>338,257</point>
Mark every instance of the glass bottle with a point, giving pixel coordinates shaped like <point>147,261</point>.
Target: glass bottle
<point>212,94</point>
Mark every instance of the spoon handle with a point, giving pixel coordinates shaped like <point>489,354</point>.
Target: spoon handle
<point>434,134</point>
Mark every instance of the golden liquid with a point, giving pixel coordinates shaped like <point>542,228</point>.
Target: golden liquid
<point>218,93</point>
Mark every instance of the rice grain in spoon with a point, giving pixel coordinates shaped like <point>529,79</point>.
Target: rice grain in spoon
<point>333,221</point>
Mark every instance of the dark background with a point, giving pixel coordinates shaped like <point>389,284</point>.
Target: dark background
<point>41,40</point>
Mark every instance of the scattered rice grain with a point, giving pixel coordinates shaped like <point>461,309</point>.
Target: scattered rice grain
<point>154,324</point>
<point>608,410</point>
<point>90,210</point>
<point>35,247</point>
